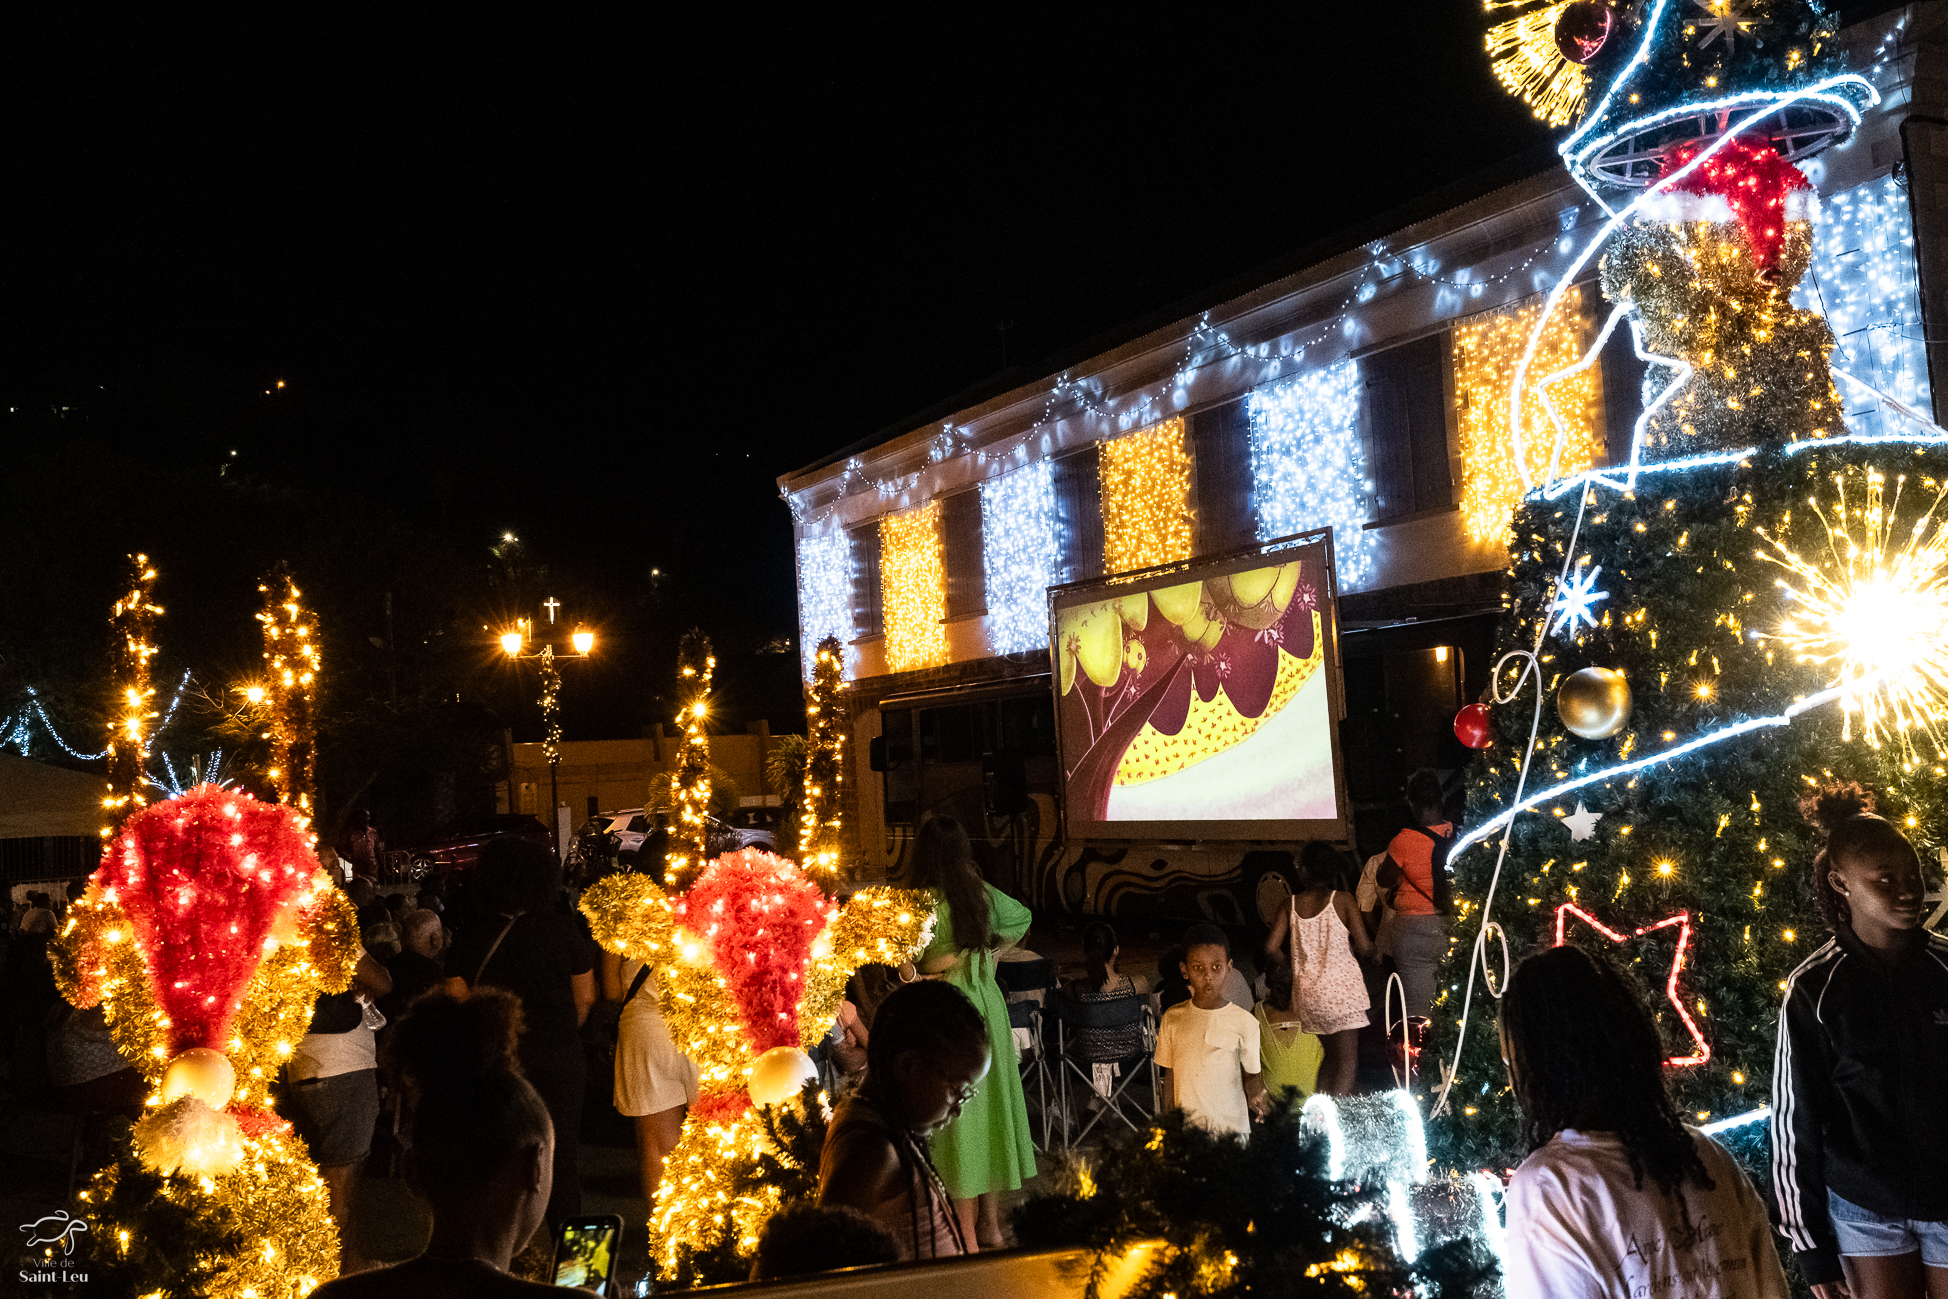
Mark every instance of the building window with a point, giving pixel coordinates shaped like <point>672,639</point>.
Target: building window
<point>1078,510</point>
<point>867,617</point>
<point>960,546</point>
<point>1221,451</point>
<point>1406,428</point>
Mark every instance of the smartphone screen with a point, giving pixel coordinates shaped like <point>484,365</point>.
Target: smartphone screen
<point>585,1253</point>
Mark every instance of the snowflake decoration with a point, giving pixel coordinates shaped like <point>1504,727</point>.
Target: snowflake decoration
<point>1723,19</point>
<point>1575,600</point>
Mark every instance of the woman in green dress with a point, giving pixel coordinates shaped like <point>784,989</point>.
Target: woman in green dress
<point>987,1150</point>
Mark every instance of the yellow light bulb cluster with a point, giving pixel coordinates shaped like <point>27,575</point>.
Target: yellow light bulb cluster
<point>293,672</point>
<point>821,838</point>
<point>1487,349</point>
<point>690,781</point>
<point>1146,499</point>
<point>1530,66</point>
<point>913,589</point>
<point>134,625</point>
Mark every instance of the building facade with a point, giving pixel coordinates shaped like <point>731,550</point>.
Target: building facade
<point>1363,386</point>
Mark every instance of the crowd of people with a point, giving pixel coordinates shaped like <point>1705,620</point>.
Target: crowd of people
<point>461,1040</point>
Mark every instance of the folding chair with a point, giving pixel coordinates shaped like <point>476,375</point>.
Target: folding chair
<point>1072,1017</point>
<point>1030,976</point>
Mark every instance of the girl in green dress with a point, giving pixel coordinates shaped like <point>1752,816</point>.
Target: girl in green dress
<point>987,1150</point>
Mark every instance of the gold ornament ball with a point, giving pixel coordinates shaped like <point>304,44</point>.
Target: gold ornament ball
<point>779,1073</point>
<point>202,1073</point>
<point>1594,703</point>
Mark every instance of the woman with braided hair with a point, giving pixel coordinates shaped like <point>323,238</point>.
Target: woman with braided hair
<point>1617,1198</point>
<point>1859,1141</point>
<point>927,1054</point>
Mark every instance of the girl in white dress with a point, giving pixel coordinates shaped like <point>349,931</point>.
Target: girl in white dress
<point>1326,943</point>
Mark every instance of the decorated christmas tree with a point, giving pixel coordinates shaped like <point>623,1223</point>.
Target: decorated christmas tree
<point>1747,603</point>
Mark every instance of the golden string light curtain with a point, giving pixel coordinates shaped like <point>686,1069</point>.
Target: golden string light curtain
<point>1487,348</point>
<point>913,589</point>
<point>1146,498</point>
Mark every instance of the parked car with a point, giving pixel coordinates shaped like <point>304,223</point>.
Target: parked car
<point>456,846</point>
<point>749,827</point>
<point>621,835</point>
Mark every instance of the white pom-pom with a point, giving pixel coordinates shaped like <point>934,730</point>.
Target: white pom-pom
<point>187,1136</point>
<point>779,1073</point>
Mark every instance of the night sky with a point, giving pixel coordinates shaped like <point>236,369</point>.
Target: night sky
<point>599,281</point>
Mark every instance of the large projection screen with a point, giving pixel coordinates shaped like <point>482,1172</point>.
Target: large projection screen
<point>1201,701</point>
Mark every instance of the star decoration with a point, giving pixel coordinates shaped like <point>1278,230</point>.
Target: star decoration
<point>1575,600</point>
<point>1582,825</point>
<point>1723,18</point>
<point>1683,922</point>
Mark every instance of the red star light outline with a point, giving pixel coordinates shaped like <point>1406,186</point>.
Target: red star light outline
<point>1683,922</point>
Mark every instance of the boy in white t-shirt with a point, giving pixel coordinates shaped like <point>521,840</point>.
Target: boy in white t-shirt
<point>1208,1047</point>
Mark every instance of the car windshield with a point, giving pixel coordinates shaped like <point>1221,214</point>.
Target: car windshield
<point>638,824</point>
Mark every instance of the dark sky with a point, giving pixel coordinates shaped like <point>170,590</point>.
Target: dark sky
<point>601,279</point>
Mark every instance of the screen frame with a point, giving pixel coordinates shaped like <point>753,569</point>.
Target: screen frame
<point>1199,568</point>
<point>604,1222</point>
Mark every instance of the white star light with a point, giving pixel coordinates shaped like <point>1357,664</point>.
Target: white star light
<point>1582,825</point>
<point>1723,18</point>
<point>1575,598</point>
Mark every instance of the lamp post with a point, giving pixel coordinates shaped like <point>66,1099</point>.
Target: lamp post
<point>514,643</point>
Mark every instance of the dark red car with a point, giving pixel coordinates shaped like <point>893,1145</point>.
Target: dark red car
<point>456,847</point>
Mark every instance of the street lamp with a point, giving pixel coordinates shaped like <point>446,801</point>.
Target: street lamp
<point>514,643</point>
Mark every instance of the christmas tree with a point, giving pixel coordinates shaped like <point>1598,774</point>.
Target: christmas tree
<point>1752,603</point>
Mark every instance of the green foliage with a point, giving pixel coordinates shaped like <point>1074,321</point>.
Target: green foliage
<point>1688,620</point>
<point>784,771</point>
<point>1260,1218</point>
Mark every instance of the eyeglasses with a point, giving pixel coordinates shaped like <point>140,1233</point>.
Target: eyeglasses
<point>958,1096</point>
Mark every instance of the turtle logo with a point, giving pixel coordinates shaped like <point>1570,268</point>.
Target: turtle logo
<point>56,1228</point>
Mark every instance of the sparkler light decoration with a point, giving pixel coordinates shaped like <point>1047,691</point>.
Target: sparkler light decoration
<point>1576,602</point>
<point>1528,62</point>
<point>134,624</point>
<point>1874,612</point>
<point>690,782</point>
<point>292,676</point>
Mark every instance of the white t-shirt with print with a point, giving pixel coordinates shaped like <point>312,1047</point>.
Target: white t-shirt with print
<point>1204,1051</point>
<point>1579,1229</point>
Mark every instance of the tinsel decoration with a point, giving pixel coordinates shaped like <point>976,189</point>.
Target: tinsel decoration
<point>1528,61</point>
<point>134,626</point>
<point>752,957</point>
<point>210,925</point>
<point>690,782</point>
<point>1261,1218</point>
<point>782,1171</point>
<point>821,839</point>
<point>1710,296</point>
<point>291,681</point>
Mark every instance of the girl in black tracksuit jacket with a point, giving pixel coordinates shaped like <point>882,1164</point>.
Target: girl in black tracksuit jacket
<point>1860,1079</point>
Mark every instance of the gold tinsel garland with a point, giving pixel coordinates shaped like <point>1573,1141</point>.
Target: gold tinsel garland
<point>690,782</point>
<point>292,671</point>
<point>632,917</point>
<point>96,960</point>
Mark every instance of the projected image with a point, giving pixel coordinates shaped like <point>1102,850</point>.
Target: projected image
<point>1203,700</point>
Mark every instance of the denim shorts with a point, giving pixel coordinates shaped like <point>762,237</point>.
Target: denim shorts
<point>336,1115</point>
<point>1866,1234</point>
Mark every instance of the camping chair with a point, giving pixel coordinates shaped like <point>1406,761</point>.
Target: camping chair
<point>1072,1017</point>
<point>1020,977</point>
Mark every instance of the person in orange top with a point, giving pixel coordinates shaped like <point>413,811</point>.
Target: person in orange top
<point>1415,932</point>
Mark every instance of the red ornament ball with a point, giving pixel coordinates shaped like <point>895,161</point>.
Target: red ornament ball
<point>1584,29</point>
<point>1471,726</point>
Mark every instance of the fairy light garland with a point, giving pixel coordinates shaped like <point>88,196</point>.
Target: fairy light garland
<point>690,780</point>
<point>292,674</point>
<point>550,707</point>
<point>1021,554</point>
<point>913,589</point>
<point>821,835</point>
<point>1308,469</point>
<point>1146,499</point>
<point>133,624</point>
<point>1487,348</point>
